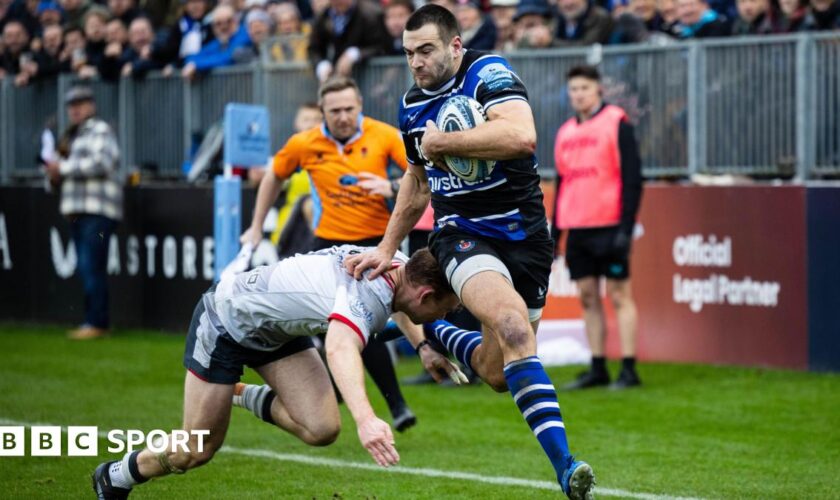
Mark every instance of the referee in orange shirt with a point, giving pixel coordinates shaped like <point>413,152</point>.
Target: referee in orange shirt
<point>347,159</point>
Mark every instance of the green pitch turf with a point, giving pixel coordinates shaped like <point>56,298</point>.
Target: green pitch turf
<point>691,431</point>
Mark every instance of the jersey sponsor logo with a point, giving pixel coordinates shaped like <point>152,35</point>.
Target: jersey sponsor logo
<point>496,77</point>
<point>358,309</point>
<point>464,246</point>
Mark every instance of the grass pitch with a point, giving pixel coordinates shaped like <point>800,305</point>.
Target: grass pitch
<point>690,431</point>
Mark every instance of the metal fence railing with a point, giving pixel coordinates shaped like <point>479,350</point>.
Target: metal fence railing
<point>766,106</point>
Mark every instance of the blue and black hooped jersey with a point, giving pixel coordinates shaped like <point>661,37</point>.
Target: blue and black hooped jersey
<point>508,205</point>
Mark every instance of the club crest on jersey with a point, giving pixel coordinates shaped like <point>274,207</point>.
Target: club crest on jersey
<point>358,309</point>
<point>464,246</point>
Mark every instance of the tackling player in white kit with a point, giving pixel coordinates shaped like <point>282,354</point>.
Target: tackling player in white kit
<point>264,318</point>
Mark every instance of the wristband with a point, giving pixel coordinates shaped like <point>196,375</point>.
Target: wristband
<point>422,343</point>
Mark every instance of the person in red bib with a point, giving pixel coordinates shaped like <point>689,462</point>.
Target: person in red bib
<point>598,194</point>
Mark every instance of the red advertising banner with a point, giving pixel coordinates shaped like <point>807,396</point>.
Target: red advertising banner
<point>719,276</point>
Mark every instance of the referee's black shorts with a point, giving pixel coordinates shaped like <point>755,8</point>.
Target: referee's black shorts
<point>590,252</point>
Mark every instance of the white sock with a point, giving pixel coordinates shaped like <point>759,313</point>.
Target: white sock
<point>120,475</point>
<point>254,398</point>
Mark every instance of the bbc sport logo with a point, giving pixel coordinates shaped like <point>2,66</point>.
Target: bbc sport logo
<point>83,441</point>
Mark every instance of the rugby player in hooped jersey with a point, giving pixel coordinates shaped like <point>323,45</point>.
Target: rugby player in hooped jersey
<point>491,236</point>
<point>265,318</point>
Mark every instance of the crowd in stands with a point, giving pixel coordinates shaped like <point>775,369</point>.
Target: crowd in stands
<point>113,39</point>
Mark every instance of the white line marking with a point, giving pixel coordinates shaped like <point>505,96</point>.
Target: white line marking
<point>414,471</point>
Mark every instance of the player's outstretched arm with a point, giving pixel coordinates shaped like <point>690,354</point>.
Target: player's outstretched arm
<point>267,193</point>
<point>509,133</point>
<point>412,199</point>
<point>344,358</point>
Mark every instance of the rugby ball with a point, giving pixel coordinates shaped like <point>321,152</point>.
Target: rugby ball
<point>463,113</point>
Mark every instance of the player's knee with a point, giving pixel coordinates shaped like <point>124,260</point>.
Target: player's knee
<point>324,434</point>
<point>513,328</point>
<point>589,298</point>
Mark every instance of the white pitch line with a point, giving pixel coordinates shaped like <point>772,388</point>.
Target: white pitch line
<point>415,471</point>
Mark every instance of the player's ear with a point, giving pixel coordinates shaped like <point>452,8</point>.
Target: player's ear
<point>456,45</point>
<point>426,294</point>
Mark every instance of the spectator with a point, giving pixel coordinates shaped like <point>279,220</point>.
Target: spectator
<point>502,12</point>
<point>218,52</point>
<point>752,18</point>
<point>397,13</point>
<point>47,60</point>
<point>582,23</point>
<point>478,32</point>
<point>49,14</point>
<point>26,12</point>
<point>74,13</point>
<point>348,32</point>
<point>598,196</point>
<point>668,10</point>
<point>823,15</point>
<point>137,59</point>
<point>191,32</point>
<point>163,14</point>
<point>15,43</point>
<point>95,22</point>
<point>73,54</point>
<point>292,43</point>
<point>116,33</point>
<point>695,19</point>
<point>533,25</point>
<point>258,24</point>
<point>645,10</point>
<point>125,10</point>
<point>627,28</point>
<point>91,200</point>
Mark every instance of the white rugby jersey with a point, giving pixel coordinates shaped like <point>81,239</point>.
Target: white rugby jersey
<point>270,305</point>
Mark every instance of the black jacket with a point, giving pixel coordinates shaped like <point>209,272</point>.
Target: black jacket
<point>365,30</point>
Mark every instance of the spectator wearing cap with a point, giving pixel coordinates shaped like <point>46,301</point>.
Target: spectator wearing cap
<point>74,13</point>
<point>291,33</point>
<point>345,34</point>
<point>258,24</point>
<point>752,18</point>
<point>582,23</point>
<point>219,52</point>
<point>91,201</point>
<point>503,12</point>
<point>397,13</point>
<point>823,15</point>
<point>192,31</point>
<point>15,43</point>
<point>532,25</point>
<point>695,19</point>
<point>478,32</point>
<point>49,14</point>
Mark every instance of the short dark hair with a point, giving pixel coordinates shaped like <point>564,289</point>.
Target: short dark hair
<point>439,16</point>
<point>408,4</point>
<point>584,71</point>
<point>423,269</point>
<point>337,84</point>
